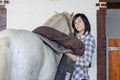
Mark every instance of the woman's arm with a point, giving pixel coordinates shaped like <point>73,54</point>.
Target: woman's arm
<point>85,59</point>
<point>71,56</point>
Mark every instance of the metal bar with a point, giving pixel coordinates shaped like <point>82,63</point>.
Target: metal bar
<point>113,48</point>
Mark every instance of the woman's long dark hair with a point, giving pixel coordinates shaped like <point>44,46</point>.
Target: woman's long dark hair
<point>85,20</point>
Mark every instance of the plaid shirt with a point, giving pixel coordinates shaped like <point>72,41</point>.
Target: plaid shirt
<point>83,62</point>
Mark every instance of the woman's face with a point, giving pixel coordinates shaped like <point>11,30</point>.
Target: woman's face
<point>79,25</point>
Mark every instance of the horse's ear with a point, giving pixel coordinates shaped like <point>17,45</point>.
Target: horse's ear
<point>72,14</point>
<point>56,12</point>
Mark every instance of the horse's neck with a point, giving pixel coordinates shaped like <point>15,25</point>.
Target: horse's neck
<point>58,22</point>
<point>53,22</point>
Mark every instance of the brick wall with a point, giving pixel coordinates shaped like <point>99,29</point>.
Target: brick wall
<point>2,17</point>
<point>3,14</point>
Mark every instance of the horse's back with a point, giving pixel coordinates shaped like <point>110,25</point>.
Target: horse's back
<point>28,55</point>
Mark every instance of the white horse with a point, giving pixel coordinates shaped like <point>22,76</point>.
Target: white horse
<point>23,56</point>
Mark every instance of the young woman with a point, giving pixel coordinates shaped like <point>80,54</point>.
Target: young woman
<point>82,31</point>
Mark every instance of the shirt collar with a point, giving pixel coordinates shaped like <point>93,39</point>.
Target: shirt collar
<point>81,37</point>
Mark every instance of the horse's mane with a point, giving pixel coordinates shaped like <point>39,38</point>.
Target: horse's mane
<point>59,15</point>
<point>60,21</point>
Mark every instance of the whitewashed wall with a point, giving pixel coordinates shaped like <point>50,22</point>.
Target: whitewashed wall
<point>29,14</point>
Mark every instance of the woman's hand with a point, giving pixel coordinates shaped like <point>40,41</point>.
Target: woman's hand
<point>71,56</point>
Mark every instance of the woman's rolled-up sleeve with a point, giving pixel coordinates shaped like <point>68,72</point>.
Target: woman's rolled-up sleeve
<point>86,58</point>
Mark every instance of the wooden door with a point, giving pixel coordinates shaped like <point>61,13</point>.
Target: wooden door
<point>101,40</point>
<point>114,58</point>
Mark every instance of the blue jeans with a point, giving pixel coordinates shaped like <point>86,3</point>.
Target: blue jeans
<point>65,69</point>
